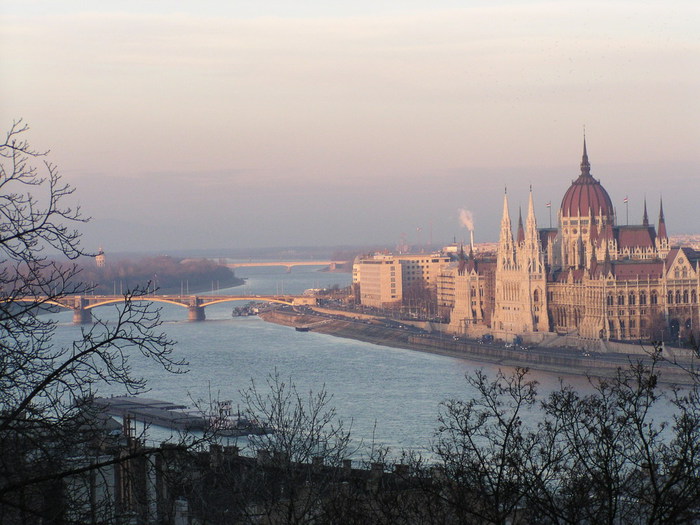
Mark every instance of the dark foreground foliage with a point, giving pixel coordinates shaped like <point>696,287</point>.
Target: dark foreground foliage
<point>624,452</point>
<point>54,448</point>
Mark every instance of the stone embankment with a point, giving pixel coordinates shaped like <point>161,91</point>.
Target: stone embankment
<point>555,360</point>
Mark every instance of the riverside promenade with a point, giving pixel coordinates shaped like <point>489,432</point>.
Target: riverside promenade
<point>556,360</point>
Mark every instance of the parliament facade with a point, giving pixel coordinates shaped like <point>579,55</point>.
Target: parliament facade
<point>590,278</point>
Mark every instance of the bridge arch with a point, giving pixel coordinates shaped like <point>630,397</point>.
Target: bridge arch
<point>83,305</point>
<point>255,299</point>
<point>151,298</point>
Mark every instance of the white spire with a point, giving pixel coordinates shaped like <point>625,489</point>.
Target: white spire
<point>531,223</point>
<point>506,248</point>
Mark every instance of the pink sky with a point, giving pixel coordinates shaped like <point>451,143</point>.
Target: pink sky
<point>196,125</point>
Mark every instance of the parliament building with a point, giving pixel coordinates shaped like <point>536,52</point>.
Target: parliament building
<point>589,278</point>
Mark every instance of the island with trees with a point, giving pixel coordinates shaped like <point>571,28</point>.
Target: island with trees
<point>165,274</point>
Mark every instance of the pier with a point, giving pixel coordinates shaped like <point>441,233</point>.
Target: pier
<point>151,411</point>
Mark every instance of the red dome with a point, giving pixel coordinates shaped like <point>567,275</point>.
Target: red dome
<point>586,196</point>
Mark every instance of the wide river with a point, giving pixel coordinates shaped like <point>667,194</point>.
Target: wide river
<point>389,394</point>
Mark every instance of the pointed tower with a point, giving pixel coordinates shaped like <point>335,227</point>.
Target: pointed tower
<point>607,265</point>
<point>645,218</point>
<point>594,231</point>
<point>521,232</point>
<point>662,222</point>
<point>462,261</point>
<point>506,247</point>
<point>663,245</point>
<point>505,322</point>
<point>532,244</point>
<point>585,165</point>
<point>533,269</point>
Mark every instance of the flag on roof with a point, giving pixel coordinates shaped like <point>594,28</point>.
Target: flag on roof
<point>549,204</point>
<point>625,200</point>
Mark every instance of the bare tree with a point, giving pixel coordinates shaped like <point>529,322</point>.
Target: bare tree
<point>306,448</point>
<point>625,451</point>
<point>48,433</point>
<point>616,457</point>
<point>483,447</point>
<point>292,474</point>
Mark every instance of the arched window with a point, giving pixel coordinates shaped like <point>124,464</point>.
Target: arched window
<point>642,298</point>
<point>669,299</point>
<point>654,297</point>
<point>536,296</point>
<point>611,299</point>
<point>620,300</point>
<point>685,296</point>
<point>693,297</point>
<point>678,297</point>
<point>631,299</point>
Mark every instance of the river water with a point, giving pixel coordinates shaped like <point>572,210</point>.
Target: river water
<point>387,394</point>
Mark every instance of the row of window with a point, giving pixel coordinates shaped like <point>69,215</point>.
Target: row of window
<point>682,298</point>
<point>622,311</point>
<point>632,298</point>
<point>678,298</point>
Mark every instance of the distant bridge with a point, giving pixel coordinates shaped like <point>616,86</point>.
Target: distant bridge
<point>286,264</point>
<point>83,304</point>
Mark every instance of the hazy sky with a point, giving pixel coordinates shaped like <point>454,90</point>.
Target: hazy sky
<point>260,123</point>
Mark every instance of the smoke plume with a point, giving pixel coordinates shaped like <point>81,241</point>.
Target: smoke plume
<point>467,219</point>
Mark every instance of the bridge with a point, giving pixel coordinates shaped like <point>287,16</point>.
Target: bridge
<point>195,304</point>
<point>287,264</point>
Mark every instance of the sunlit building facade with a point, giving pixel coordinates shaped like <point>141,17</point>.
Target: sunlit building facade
<point>383,279</point>
<point>589,278</point>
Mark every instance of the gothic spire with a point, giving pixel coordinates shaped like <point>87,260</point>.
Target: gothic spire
<point>645,219</point>
<point>462,261</point>
<point>662,222</point>
<point>593,236</point>
<point>506,250</point>
<point>585,165</point>
<point>531,222</point>
<point>607,265</point>
<point>521,231</point>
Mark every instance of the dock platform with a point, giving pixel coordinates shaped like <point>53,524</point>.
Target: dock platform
<point>152,411</point>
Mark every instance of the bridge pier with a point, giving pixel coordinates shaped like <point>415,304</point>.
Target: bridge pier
<point>196,313</point>
<point>81,315</point>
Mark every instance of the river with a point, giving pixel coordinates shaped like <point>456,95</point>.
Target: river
<point>390,395</point>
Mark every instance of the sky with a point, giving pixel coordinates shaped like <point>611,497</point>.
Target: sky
<point>220,124</point>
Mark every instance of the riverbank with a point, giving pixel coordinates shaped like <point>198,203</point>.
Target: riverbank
<point>554,360</point>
